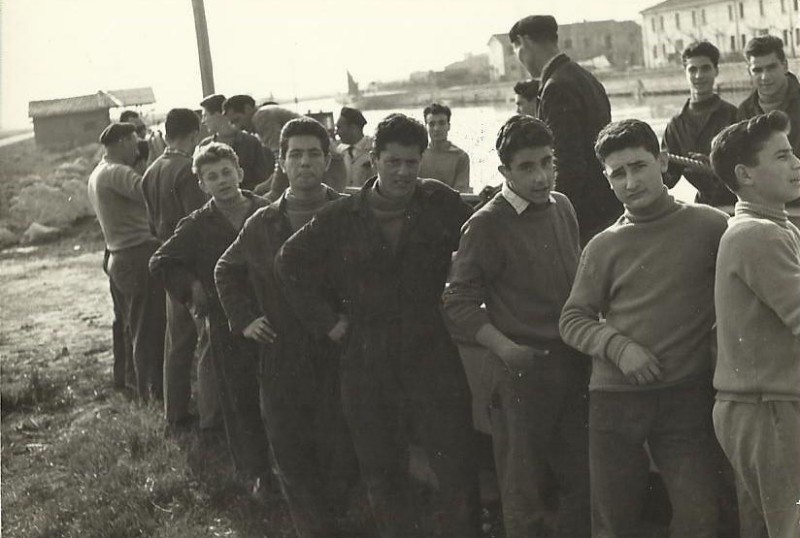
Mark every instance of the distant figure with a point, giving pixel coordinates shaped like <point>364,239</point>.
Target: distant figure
<point>115,192</point>
<point>151,143</point>
<point>575,107</point>
<point>443,160</point>
<point>526,97</point>
<point>247,146</point>
<point>239,110</point>
<point>775,87</point>
<point>689,133</point>
<point>355,146</point>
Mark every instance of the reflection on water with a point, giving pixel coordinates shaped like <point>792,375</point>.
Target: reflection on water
<point>474,128</point>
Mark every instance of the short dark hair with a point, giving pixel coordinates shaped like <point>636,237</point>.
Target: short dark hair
<point>539,28</point>
<point>520,132</point>
<point>180,123</point>
<point>304,126</point>
<point>529,89</point>
<point>624,134</point>
<point>763,45</point>
<point>400,129</point>
<point>701,48</point>
<point>213,152</point>
<point>740,143</point>
<point>238,102</point>
<point>213,103</point>
<point>437,108</point>
<point>128,115</point>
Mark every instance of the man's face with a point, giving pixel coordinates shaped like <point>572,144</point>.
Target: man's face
<point>304,162</point>
<point>129,148</point>
<point>768,74</point>
<point>216,122</point>
<point>398,169</point>
<point>346,131</point>
<point>525,106</point>
<point>776,176</point>
<point>527,53</point>
<point>700,74</point>
<point>241,120</point>
<point>531,174</point>
<point>221,179</point>
<point>438,126</point>
<point>635,176</point>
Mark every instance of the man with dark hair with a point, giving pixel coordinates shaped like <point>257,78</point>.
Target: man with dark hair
<point>239,110</point>
<point>115,192</point>
<point>575,107</point>
<point>518,256</point>
<point>526,97</point>
<point>171,192</point>
<point>443,160</point>
<point>355,146</point>
<point>301,407</point>
<point>757,293</point>
<point>247,146</point>
<point>689,133</point>
<point>649,332</point>
<point>386,251</point>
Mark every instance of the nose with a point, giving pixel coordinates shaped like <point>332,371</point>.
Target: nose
<point>406,169</point>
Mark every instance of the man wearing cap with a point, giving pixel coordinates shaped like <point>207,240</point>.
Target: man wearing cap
<point>171,192</point>
<point>247,146</point>
<point>115,192</point>
<point>575,107</point>
<point>355,146</point>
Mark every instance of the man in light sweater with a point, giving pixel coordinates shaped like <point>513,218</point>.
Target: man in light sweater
<point>443,160</point>
<point>757,376</point>
<point>643,307</point>
<point>518,256</point>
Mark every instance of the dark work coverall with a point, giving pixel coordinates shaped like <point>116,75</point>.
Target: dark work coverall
<point>299,380</point>
<point>399,368</point>
<point>189,255</point>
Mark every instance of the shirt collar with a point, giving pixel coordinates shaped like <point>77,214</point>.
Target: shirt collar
<point>519,203</point>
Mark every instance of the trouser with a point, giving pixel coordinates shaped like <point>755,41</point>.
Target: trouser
<point>676,424</point>
<point>310,441</point>
<point>141,299</point>
<point>184,336</point>
<point>539,421</point>
<point>762,442</point>
<point>124,373</point>
<point>390,385</point>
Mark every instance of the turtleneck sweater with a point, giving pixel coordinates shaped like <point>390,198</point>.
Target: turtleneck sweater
<point>389,212</point>
<point>650,279</point>
<point>758,307</point>
<point>302,210</point>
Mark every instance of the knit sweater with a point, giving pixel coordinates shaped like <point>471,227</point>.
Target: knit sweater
<point>448,163</point>
<point>648,278</point>
<point>521,266</point>
<point>758,307</point>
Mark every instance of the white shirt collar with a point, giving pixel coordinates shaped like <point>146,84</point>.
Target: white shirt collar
<point>519,203</point>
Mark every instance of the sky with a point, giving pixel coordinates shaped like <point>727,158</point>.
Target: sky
<point>288,48</point>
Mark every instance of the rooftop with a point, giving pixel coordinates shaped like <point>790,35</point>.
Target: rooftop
<point>675,4</point>
<point>96,101</point>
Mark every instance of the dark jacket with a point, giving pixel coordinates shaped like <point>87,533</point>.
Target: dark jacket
<point>688,133</point>
<point>381,290</point>
<point>575,107</point>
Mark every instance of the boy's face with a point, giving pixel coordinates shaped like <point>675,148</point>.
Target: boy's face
<point>768,74</point>
<point>531,174</point>
<point>700,74</point>
<point>438,126</point>
<point>635,176</point>
<point>398,169</point>
<point>221,179</point>
<point>304,162</point>
<point>775,180</point>
<point>526,106</point>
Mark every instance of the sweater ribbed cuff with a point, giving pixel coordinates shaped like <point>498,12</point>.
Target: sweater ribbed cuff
<point>615,346</point>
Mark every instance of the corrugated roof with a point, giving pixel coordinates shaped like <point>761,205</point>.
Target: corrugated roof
<point>85,103</point>
<point>674,4</point>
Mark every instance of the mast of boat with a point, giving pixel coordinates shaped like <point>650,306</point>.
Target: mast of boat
<point>203,47</point>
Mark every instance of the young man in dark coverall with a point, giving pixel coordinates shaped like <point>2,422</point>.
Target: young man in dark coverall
<point>575,106</point>
<point>386,250</point>
<point>185,263</point>
<point>299,378</point>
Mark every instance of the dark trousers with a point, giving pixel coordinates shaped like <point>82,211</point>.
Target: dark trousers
<point>124,373</point>
<point>676,424</point>
<point>142,303</point>
<point>539,423</point>
<point>391,387</point>
<point>311,444</point>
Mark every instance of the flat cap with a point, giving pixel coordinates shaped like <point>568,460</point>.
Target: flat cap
<point>353,115</point>
<point>213,103</point>
<point>116,132</point>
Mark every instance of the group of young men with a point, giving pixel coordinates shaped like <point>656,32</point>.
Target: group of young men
<point>325,324</point>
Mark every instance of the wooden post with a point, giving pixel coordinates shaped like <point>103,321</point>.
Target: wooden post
<point>203,47</point>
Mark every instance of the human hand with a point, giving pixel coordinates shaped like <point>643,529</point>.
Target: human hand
<point>516,357</point>
<point>639,365</point>
<point>339,330</point>
<point>260,330</point>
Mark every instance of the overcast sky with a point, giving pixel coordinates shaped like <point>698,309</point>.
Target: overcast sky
<point>60,48</point>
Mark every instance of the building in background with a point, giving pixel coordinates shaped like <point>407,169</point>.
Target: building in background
<point>503,64</point>
<point>60,124</point>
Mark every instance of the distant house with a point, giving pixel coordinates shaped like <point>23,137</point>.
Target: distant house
<point>729,24</point>
<point>503,64</point>
<point>73,121</point>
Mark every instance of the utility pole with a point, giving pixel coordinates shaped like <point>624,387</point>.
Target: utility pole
<point>203,48</point>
